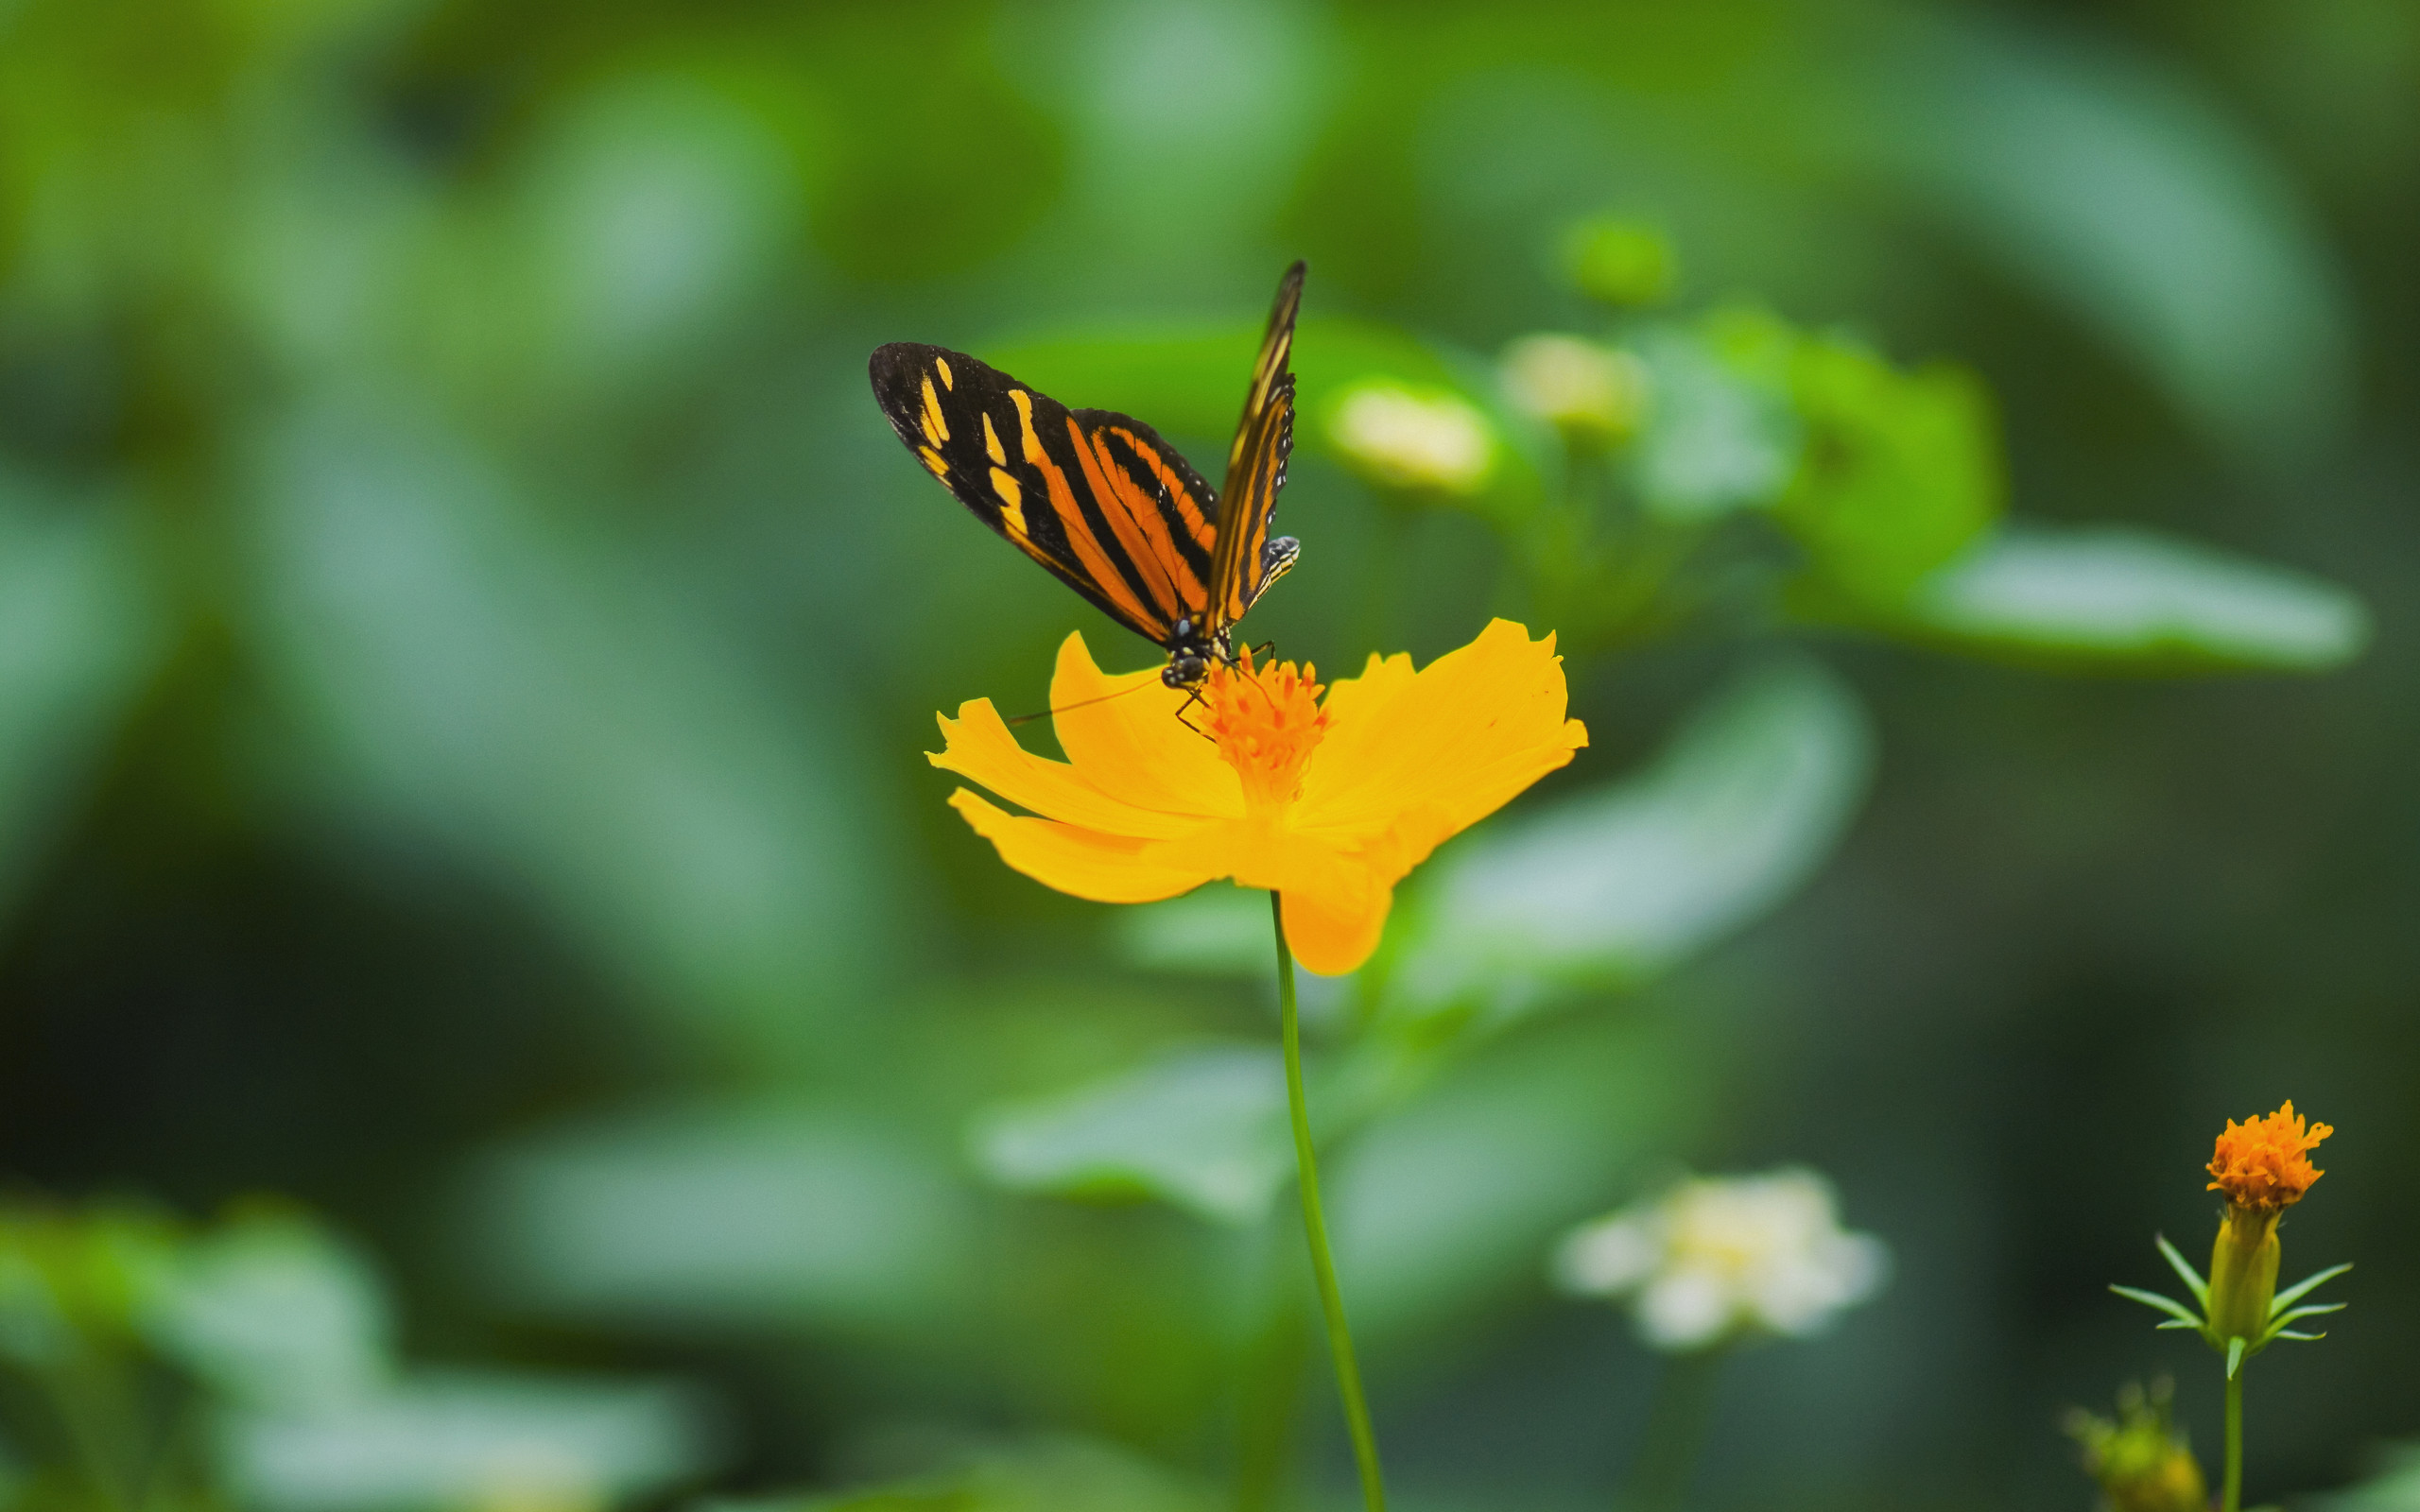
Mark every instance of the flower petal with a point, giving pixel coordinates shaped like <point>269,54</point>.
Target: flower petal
<point>1452,742</point>
<point>1332,933</point>
<point>979,748</point>
<point>1107,868</point>
<point>1123,735</point>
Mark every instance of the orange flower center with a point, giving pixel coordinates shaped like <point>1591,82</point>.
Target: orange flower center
<point>1267,721</point>
<point>2262,1164</point>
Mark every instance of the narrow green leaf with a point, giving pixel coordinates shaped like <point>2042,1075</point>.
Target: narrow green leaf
<point>2290,1334</point>
<point>2234,1357</point>
<point>2124,600</point>
<point>2166,1304</point>
<point>2193,1282</point>
<point>2316,1310</point>
<point>2179,1323</point>
<point>2303,1287</point>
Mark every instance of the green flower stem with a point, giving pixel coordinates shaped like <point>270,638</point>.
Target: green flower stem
<point>1340,1339</point>
<point>1676,1429</point>
<point>2231,1499</point>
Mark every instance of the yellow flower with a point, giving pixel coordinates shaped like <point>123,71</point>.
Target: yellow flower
<point>1328,803</point>
<point>2263,1162</point>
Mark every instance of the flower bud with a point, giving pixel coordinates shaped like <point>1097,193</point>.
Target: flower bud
<point>1621,262</point>
<point>2140,1461</point>
<point>1419,440</point>
<point>1594,395</point>
<point>2263,1165</point>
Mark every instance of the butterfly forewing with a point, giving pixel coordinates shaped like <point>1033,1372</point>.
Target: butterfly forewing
<point>1095,496</point>
<point>1243,566</point>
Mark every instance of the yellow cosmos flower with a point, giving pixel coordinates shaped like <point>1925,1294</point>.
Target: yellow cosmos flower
<point>1329,802</point>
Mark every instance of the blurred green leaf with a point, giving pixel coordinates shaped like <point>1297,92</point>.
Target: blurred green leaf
<point>732,1218</point>
<point>1716,439</point>
<point>2132,601</point>
<point>2393,1485</point>
<point>2119,188</point>
<point>1453,1200</point>
<point>76,1281</point>
<point>1746,801</point>
<point>1203,1128</point>
<point>81,630</point>
<point>483,676</point>
<point>1040,1475</point>
<point>272,1311</point>
<point>460,1439</point>
<point>1208,932</point>
<point>1900,471</point>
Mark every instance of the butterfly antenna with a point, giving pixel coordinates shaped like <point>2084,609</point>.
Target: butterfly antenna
<point>1080,703</point>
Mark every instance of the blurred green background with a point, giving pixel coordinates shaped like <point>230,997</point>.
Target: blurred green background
<point>493,1011</point>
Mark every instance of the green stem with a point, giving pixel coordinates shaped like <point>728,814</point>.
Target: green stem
<point>1676,1428</point>
<point>2231,1499</point>
<point>1339,1340</point>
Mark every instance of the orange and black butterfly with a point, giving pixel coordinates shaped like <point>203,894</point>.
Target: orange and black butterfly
<point>1098,499</point>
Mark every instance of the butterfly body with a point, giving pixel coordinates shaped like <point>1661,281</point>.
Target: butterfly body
<point>1099,500</point>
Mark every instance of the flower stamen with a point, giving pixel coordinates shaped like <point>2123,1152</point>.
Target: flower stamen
<point>1267,721</point>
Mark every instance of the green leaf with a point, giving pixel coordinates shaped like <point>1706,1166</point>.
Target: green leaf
<point>482,675</point>
<point>446,1440</point>
<point>1900,471</point>
<point>2234,1357</point>
<point>2184,1268</point>
<point>2277,1325</point>
<point>1452,1202</point>
<point>1742,805</point>
<point>1202,1129</point>
<point>794,1217</point>
<point>2166,1304</point>
<point>275,1313</point>
<point>2305,1287</point>
<point>2127,600</point>
<point>79,632</point>
<point>2107,182</point>
<point>1716,439</point>
<point>1058,1473</point>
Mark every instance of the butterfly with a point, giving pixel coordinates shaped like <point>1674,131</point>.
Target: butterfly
<point>1100,501</point>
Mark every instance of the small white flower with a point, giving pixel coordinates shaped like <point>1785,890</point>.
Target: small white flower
<point>1404,437</point>
<point>1587,391</point>
<point>1718,1257</point>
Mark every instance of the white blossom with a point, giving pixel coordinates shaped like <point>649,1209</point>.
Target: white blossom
<point>1715,1258</point>
<point>1587,391</point>
<point>1404,438</point>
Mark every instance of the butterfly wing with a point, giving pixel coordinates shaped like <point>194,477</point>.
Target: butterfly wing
<point>1094,496</point>
<point>1246,561</point>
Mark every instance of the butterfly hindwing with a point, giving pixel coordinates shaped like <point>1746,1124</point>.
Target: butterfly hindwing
<point>1095,496</point>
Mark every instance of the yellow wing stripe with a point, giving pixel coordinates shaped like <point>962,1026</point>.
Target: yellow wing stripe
<point>992,447</point>
<point>1011,494</point>
<point>936,427</point>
